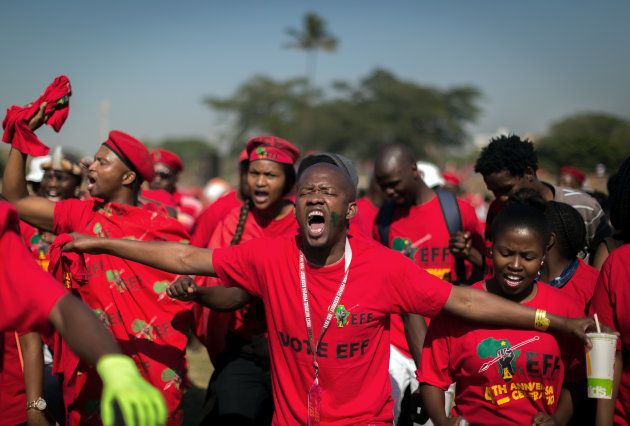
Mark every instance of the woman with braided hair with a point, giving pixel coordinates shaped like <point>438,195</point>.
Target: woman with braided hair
<point>236,341</point>
<point>505,375</point>
<point>564,269</point>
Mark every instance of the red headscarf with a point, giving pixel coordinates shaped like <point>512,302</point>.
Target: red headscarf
<point>272,148</point>
<point>15,124</point>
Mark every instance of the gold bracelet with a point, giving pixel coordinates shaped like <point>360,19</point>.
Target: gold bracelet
<point>541,322</point>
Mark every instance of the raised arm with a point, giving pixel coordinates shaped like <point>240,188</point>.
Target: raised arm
<point>176,258</point>
<point>38,211</point>
<point>481,306</point>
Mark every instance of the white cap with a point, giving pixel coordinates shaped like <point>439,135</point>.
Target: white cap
<point>35,172</point>
<point>430,174</point>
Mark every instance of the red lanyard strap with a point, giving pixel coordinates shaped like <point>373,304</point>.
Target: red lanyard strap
<point>331,309</point>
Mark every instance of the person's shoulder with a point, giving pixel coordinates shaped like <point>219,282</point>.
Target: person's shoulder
<point>620,254</point>
<point>557,301</point>
<point>587,270</point>
<point>574,197</point>
<point>273,245</point>
<point>75,204</point>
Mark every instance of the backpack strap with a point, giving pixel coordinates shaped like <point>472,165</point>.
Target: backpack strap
<point>453,219</point>
<point>384,220</point>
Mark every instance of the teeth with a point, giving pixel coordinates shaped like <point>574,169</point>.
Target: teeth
<point>315,213</point>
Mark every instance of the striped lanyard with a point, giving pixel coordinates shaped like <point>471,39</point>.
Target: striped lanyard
<point>331,309</point>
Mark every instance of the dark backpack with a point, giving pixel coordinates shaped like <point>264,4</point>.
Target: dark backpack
<point>450,212</point>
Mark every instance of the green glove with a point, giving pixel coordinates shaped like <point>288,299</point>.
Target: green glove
<point>140,403</point>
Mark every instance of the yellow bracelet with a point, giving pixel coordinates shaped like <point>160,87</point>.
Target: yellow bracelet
<point>541,322</point>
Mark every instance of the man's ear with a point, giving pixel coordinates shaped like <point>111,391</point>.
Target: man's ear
<point>352,210</point>
<point>129,177</point>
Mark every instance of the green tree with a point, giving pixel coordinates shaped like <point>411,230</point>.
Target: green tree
<point>353,119</point>
<point>584,140</point>
<point>313,36</point>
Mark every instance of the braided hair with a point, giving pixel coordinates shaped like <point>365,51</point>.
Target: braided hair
<point>569,228</point>
<point>289,182</point>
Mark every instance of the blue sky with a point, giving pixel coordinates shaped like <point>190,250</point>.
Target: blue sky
<point>154,61</point>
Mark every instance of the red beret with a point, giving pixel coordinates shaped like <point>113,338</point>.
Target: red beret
<point>132,152</point>
<point>272,148</point>
<point>451,178</point>
<point>168,158</point>
<point>575,172</point>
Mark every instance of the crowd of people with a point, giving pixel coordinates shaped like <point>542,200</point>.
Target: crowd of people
<point>317,304</point>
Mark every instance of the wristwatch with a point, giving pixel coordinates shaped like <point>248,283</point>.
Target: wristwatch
<point>38,404</point>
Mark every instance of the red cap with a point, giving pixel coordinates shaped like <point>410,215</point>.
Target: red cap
<point>451,178</point>
<point>575,172</point>
<point>168,158</point>
<point>132,152</point>
<point>272,148</point>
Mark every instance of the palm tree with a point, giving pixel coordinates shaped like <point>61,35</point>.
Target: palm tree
<point>312,37</point>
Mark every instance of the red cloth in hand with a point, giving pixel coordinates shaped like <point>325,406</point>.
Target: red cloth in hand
<point>15,124</point>
<point>67,267</point>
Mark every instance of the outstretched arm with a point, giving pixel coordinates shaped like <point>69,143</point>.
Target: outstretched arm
<point>476,305</point>
<point>38,211</point>
<point>177,258</point>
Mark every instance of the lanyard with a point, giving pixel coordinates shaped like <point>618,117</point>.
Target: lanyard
<point>331,309</point>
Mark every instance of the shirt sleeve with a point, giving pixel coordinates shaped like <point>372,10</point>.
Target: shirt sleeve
<point>27,292</point>
<point>413,290</point>
<point>435,360</point>
<point>243,265</point>
<point>71,215</point>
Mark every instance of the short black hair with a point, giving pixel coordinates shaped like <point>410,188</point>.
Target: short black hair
<point>511,153</point>
<point>525,209</point>
<point>568,225</point>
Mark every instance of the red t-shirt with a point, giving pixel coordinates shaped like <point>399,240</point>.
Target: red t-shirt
<point>515,385</point>
<point>27,295</point>
<point>12,389</point>
<point>611,303</point>
<point>363,221</point>
<point>248,321</point>
<point>420,233</point>
<point>354,354</point>
<point>208,220</point>
<point>130,298</point>
<point>581,285</point>
<point>22,307</point>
